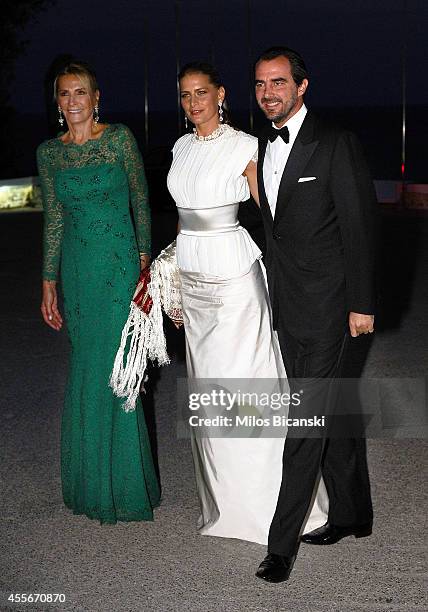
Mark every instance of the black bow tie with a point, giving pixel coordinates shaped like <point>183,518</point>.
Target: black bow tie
<point>283,132</point>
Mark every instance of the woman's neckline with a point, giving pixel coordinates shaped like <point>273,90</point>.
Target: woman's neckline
<point>219,131</point>
<point>75,144</point>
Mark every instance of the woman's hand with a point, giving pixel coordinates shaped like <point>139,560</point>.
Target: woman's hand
<point>49,307</point>
<point>144,260</point>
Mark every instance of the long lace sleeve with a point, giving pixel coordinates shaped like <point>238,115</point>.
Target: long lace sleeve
<point>134,167</point>
<point>53,216</point>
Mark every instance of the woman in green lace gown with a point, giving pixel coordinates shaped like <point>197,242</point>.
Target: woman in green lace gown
<point>89,176</point>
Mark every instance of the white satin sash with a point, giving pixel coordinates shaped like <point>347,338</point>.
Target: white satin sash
<point>209,221</point>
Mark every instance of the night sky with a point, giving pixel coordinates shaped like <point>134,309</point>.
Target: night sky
<point>353,49</point>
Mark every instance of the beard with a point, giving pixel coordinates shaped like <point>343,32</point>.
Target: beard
<point>286,111</point>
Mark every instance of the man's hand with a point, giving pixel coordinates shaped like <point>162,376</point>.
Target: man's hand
<point>360,324</point>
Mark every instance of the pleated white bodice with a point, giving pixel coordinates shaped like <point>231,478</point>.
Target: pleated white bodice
<point>207,174</point>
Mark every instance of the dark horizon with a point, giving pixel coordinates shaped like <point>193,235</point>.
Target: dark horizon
<point>353,53</point>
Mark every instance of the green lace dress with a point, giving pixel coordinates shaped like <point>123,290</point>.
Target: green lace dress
<point>106,462</point>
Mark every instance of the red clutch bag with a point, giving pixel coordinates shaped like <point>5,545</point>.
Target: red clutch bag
<point>142,297</point>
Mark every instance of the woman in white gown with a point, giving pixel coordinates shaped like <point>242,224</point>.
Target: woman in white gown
<point>226,310</point>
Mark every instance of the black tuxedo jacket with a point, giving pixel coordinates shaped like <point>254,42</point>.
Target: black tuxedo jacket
<point>320,245</point>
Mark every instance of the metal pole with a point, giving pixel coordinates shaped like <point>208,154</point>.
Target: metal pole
<point>212,41</point>
<point>403,94</point>
<point>250,69</point>
<point>146,82</point>
<point>177,55</point>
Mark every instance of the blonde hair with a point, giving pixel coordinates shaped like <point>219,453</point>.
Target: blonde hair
<point>83,71</point>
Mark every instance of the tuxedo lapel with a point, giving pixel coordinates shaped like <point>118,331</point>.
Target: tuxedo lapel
<point>264,204</point>
<point>303,149</point>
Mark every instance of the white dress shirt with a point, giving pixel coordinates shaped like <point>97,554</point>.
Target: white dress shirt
<point>276,157</point>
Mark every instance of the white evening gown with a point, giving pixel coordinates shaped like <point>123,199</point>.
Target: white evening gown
<point>228,329</point>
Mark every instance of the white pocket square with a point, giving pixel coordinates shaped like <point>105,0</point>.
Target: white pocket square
<point>304,179</point>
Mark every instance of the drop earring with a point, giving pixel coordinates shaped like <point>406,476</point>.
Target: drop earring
<point>186,124</point>
<point>220,112</point>
<point>96,114</point>
<point>60,117</point>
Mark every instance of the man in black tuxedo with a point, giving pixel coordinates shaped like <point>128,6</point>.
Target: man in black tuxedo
<point>318,207</point>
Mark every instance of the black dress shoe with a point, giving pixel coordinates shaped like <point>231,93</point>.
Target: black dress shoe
<point>330,534</point>
<point>275,568</point>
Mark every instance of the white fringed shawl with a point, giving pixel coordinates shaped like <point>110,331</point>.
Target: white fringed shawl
<point>144,333</point>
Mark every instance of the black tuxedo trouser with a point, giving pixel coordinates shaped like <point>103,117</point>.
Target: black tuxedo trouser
<point>342,460</point>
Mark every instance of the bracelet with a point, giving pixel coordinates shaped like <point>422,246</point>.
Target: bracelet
<point>144,255</point>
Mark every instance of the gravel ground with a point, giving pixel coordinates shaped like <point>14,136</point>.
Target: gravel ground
<point>165,565</point>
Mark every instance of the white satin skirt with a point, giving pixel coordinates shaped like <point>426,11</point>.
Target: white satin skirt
<point>229,334</point>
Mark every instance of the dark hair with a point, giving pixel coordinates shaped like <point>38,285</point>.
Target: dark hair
<point>202,68</point>
<point>298,67</point>
<point>213,76</point>
<point>80,69</point>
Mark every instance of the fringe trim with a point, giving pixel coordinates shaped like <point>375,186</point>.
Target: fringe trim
<point>144,334</point>
<point>146,339</point>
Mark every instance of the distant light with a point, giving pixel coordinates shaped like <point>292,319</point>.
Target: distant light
<point>402,169</point>
<point>20,193</point>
